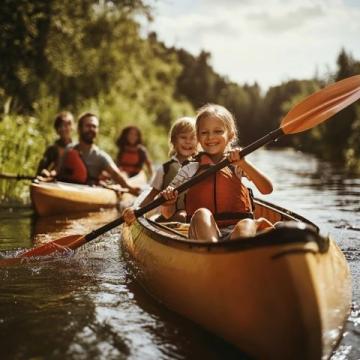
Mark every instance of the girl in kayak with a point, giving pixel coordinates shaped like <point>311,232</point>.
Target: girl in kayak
<point>220,206</point>
<point>132,155</point>
<point>183,145</point>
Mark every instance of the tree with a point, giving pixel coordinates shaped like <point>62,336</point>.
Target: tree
<point>338,131</point>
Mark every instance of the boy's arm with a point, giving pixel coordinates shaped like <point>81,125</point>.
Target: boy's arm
<point>167,211</point>
<point>184,174</point>
<point>169,207</point>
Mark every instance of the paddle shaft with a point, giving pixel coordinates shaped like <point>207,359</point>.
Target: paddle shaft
<point>16,177</point>
<point>273,135</point>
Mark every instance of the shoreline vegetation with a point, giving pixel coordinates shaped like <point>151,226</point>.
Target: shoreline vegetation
<point>93,56</point>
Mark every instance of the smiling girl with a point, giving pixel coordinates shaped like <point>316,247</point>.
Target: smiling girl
<point>220,206</point>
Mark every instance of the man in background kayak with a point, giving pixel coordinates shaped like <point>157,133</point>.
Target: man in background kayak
<point>84,162</point>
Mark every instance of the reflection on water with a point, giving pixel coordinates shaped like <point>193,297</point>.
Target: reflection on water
<point>15,228</point>
<point>53,227</point>
<point>88,306</point>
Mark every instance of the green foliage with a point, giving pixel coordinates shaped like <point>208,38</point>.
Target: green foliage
<point>339,131</point>
<point>352,151</point>
<point>19,140</point>
<point>336,139</point>
<point>308,141</point>
<point>80,56</point>
<point>280,99</point>
<point>198,82</point>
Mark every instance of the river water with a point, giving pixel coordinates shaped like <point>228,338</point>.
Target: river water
<point>88,307</point>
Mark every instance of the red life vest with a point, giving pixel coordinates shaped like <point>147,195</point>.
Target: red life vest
<point>131,160</point>
<point>73,168</point>
<point>222,193</point>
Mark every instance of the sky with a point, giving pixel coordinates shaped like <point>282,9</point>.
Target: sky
<point>267,41</point>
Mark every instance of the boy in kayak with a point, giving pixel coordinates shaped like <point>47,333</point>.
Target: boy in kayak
<point>183,145</point>
<point>84,162</point>
<point>220,206</point>
<point>132,155</point>
<point>49,164</point>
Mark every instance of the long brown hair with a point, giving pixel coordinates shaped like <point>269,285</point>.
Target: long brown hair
<point>122,140</point>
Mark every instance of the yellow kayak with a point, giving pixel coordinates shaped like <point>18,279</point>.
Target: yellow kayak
<point>54,198</point>
<point>284,294</point>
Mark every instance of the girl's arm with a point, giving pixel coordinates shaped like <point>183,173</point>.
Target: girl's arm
<point>129,215</point>
<point>261,181</point>
<point>156,186</point>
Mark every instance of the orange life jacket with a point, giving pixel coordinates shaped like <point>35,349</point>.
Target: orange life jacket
<point>73,168</point>
<point>222,193</point>
<point>131,160</point>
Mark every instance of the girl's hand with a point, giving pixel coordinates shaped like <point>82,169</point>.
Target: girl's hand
<point>234,157</point>
<point>170,195</point>
<point>129,215</point>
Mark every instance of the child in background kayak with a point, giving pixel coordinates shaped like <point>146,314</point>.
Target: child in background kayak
<point>49,164</point>
<point>220,206</point>
<point>183,145</point>
<point>132,155</point>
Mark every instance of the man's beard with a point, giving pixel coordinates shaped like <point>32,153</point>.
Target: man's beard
<point>88,138</point>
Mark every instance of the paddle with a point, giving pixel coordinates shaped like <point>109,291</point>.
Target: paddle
<point>16,177</point>
<point>307,114</point>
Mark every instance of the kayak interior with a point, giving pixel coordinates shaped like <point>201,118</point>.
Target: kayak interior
<point>290,227</point>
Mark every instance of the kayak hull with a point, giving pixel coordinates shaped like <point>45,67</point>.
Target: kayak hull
<point>55,198</point>
<point>284,294</point>
<point>61,198</point>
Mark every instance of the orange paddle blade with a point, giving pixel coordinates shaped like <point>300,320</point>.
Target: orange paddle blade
<point>62,245</point>
<point>321,105</point>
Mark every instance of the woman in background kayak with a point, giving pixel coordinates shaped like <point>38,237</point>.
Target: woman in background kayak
<point>132,155</point>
